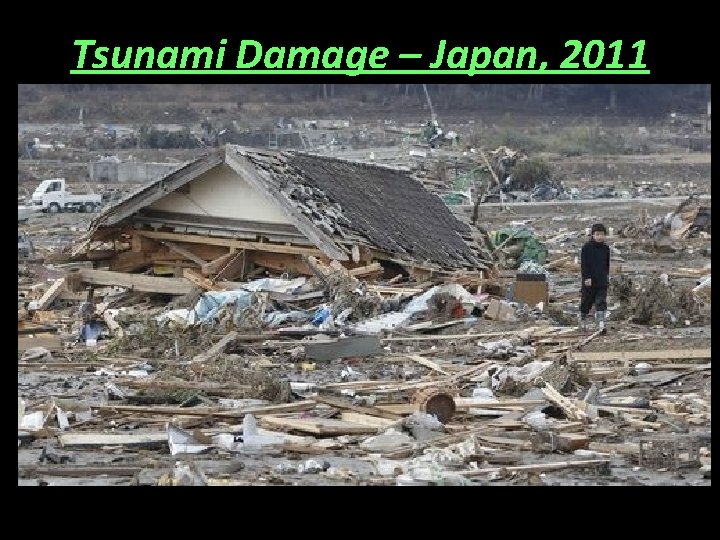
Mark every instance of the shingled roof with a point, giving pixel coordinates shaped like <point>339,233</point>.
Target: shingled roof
<point>343,201</point>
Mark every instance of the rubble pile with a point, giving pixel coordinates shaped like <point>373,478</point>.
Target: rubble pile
<point>655,301</point>
<point>691,219</point>
<point>179,362</point>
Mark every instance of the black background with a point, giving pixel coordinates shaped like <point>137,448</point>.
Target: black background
<point>679,49</point>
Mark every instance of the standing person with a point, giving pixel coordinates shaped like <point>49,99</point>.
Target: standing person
<point>595,268</point>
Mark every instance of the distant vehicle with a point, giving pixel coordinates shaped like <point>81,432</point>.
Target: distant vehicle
<point>51,196</point>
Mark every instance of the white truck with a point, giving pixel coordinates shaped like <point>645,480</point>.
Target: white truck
<point>51,196</point>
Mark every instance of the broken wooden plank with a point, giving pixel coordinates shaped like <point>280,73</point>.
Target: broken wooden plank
<point>471,403</point>
<point>184,252</point>
<point>525,331</point>
<point>625,449</point>
<point>281,262</point>
<point>360,346</point>
<point>541,467</point>
<point>589,339</point>
<point>318,426</point>
<point>234,267</point>
<point>516,444</point>
<point>400,408</point>
<point>365,270</point>
<point>48,297</point>
<point>52,343</point>
<point>569,442</point>
<point>135,282</point>
<point>370,411</point>
<point>193,277</point>
<point>408,291</point>
<point>216,349</point>
<point>229,242</point>
<point>427,363</point>
<point>569,408</point>
<point>113,439</point>
<point>34,330</point>
<point>60,365</point>
<point>210,411</point>
<point>214,266</point>
<point>366,420</point>
<point>70,471</point>
<point>303,449</point>
<point>629,356</point>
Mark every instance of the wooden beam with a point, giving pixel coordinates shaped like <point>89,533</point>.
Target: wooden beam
<point>235,267</point>
<point>129,261</point>
<point>629,356</point>
<point>52,343</point>
<point>50,295</point>
<point>365,270</point>
<point>474,403</point>
<point>216,349</point>
<point>140,244</point>
<point>427,363</point>
<point>99,254</point>
<point>209,411</point>
<point>380,289</point>
<point>589,339</point>
<point>214,266</point>
<point>229,242</point>
<point>79,471</point>
<point>204,283</point>
<point>568,407</point>
<point>280,262</point>
<point>454,336</point>
<point>366,420</point>
<point>343,405</point>
<point>112,439</point>
<point>135,282</point>
<point>184,252</point>
<point>543,467</point>
<point>242,166</point>
<point>318,426</point>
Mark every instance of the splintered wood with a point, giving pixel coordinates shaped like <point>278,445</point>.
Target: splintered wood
<point>568,407</point>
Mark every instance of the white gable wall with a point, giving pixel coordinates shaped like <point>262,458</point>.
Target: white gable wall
<point>221,192</point>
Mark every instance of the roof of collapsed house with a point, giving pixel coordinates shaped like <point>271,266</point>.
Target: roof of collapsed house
<point>332,202</point>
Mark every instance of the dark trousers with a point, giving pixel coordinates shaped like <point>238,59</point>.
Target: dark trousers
<point>590,296</point>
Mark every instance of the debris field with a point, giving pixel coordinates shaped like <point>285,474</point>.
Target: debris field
<point>159,345</point>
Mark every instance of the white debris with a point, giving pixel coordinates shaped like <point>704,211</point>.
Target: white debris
<point>642,368</point>
<point>483,394</point>
<point>425,420</point>
<point>36,353</point>
<point>182,442</point>
<point>33,421</point>
<point>388,441</point>
<point>537,420</point>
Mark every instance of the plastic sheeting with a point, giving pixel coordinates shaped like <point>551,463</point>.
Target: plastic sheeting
<point>416,305</point>
<point>210,303</point>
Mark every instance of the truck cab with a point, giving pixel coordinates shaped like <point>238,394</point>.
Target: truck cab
<point>51,196</point>
<point>49,192</point>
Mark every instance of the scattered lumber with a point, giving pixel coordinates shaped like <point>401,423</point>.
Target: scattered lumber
<point>135,282</point>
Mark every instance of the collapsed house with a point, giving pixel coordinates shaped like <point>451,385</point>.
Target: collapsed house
<point>234,213</point>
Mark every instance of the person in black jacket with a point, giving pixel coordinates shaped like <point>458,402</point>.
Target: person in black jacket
<point>595,269</point>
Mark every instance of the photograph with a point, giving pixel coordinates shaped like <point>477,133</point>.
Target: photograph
<point>362,283</point>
